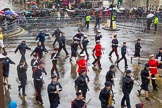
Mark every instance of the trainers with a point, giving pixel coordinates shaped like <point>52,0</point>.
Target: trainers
<point>147,99</point>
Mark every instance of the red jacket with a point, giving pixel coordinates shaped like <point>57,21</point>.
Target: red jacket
<point>154,64</point>
<point>98,50</point>
<point>82,64</point>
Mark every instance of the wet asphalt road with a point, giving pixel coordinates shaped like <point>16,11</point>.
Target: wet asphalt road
<point>150,43</point>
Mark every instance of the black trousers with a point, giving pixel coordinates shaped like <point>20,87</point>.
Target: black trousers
<point>60,48</point>
<point>155,27</point>
<point>87,24</point>
<point>98,61</point>
<point>23,83</point>
<point>56,40</point>
<point>125,59</point>
<point>85,49</point>
<point>38,87</point>
<point>153,81</point>
<point>126,98</point>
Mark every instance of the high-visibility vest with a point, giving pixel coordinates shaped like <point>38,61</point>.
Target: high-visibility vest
<point>156,20</point>
<point>113,18</point>
<point>88,18</point>
<point>1,36</point>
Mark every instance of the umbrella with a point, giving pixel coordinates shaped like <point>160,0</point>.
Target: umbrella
<point>8,13</point>
<point>1,12</point>
<point>113,8</point>
<point>121,9</point>
<point>33,3</point>
<point>6,9</point>
<point>150,15</point>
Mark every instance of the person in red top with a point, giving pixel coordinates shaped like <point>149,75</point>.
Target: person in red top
<point>98,52</point>
<point>82,63</point>
<point>153,70</point>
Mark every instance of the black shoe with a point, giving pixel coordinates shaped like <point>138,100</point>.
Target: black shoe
<point>110,56</point>
<point>24,94</point>
<point>94,64</point>
<point>147,99</point>
<point>139,92</point>
<point>9,86</point>
<point>126,66</point>
<point>19,87</point>
<point>100,68</point>
<point>4,83</point>
<point>131,60</point>
<point>123,106</point>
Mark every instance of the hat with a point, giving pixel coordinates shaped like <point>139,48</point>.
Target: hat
<point>41,30</point>
<point>128,71</point>
<point>53,76</point>
<point>82,70</point>
<point>115,36</point>
<point>99,31</point>
<point>82,55</point>
<point>160,48</point>
<point>152,55</point>
<point>138,39</point>
<point>107,83</point>
<point>147,65</point>
<point>78,93</point>
<point>98,41</point>
<point>124,42</point>
<point>112,66</point>
<point>85,36</point>
<point>79,30</point>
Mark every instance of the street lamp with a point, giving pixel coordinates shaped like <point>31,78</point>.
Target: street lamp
<point>1,83</point>
<point>111,21</point>
<point>147,4</point>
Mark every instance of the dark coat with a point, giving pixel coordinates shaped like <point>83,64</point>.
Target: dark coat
<point>123,50</point>
<point>115,43</point>
<point>85,42</point>
<point>127,84</point>
<point>57,34</point>
<point>54,97</point>
<point>98,37</point>
<point>38,50</point>
<point>110,74</point>
<point>144,76</point>
<point>77,103</point>
<point>22,48</point>
<point>80,82</point>
<point>41,36</point>
<point>6,64</point>
<point>37,74</point>
<point>137,47</point>
<point>21,71</point>
<point>104,96</point>
<point>159,55</point>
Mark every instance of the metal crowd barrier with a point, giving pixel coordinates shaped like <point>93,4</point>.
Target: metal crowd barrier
<point>10,27</point>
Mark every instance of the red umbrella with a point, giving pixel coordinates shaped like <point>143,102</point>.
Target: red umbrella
<point>1,12</point>
<point>33,3</point>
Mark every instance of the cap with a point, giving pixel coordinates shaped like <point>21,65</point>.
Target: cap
<point>82,70</point>
<point>82,55</point>
<point>99,31</point>
<point>160,48</point>
<point>107,83</point>
<point>53,76</point>
<point>85,36</point>
<point>138,39</point>
<point>147,65</point>
<point>98,41</point>
<point>152,55</point>
<point>128,71</point>
<point>78,93</point>
<point>112,66</point>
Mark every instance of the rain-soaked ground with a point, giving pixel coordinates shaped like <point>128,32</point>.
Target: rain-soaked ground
<point>150,44</point>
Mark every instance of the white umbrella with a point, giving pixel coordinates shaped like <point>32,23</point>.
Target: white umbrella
<point>121,8</point>
<point>113,8</point>
<point>150,15</point>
